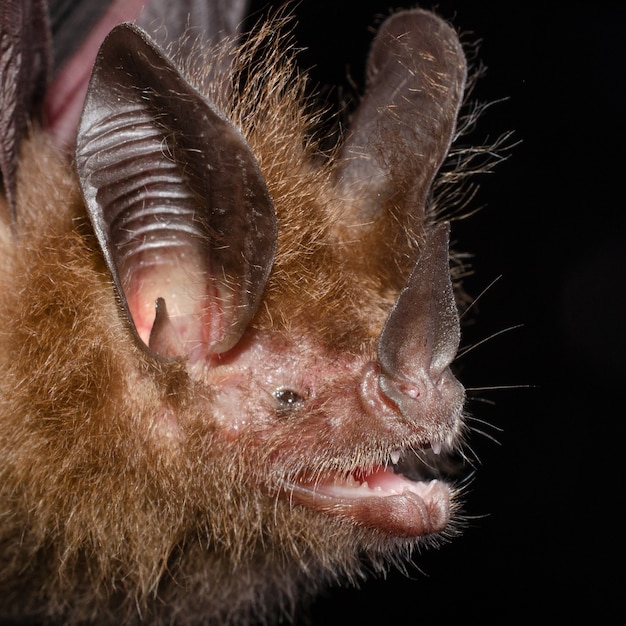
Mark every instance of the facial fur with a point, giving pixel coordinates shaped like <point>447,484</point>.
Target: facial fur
<point>212,487</point>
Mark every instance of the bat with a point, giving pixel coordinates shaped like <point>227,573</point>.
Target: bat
<point>226,348</point>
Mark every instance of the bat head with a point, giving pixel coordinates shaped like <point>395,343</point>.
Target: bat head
<point>343,373</point>
<point>275,325</point>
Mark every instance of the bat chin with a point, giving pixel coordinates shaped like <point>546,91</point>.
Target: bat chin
<point>379,499</point>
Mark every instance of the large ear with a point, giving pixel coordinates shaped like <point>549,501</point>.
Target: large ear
<point>177,201</point>
<point>403,128</point>
<point>25,60</point>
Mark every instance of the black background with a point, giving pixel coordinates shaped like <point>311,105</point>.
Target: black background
<point>553,226</point>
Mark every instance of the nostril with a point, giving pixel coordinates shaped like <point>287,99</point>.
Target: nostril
<point>409,389</point>
<point>419,386</point>
<point>371,393</point>
<point>401,390</point>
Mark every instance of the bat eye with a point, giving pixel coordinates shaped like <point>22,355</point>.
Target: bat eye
<point>288,400</point>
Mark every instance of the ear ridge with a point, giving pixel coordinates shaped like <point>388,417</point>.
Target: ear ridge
<point>176,199</point>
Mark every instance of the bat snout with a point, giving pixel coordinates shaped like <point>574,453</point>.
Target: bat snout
<point>429,401</point>
<point>432,401</point>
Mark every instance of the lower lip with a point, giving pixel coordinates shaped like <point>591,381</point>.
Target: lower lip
<point>386,502</point>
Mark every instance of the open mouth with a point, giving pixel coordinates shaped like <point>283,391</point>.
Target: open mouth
<point>402,498</point>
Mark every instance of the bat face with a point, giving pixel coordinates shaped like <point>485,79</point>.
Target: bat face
<point>226,360</point>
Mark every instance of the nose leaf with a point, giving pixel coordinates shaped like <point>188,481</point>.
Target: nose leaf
<point>421,335</point>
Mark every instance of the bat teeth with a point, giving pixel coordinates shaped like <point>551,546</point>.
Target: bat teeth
<point>435,446</point>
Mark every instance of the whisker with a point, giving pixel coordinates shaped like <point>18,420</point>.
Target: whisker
<point>486,435</point>
<point>472,418</point>
<point>462,353</point>
<point>500,387</point>
<point>481,399</point>
<point>471,459</point>
<point>480,295</point>
<point>464,483</point>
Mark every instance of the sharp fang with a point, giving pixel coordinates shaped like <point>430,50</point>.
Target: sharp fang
<point>395,456</point>
<point>436,446</point>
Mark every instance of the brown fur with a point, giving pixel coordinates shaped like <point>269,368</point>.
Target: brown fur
<point>121,497</point>
<point>281,124</point>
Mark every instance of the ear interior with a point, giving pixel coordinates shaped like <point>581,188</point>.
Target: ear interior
<point>176,199</point>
